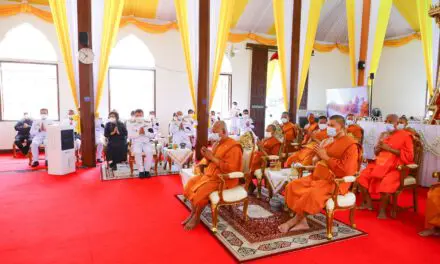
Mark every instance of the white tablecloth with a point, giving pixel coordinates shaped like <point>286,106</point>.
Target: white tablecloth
<point>179,156</point>
<point>431,144</point>
<point>277,179</point>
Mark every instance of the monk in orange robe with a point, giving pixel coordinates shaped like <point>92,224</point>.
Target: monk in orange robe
<point>306,154</point>
<point>353,129</point>
<point>382,177</point>
<point>432,212</point>
<point>270,145</point>
<point>339,157</point>
<point>226,157</point>
<point>289,130</point>
<point>309,128</point>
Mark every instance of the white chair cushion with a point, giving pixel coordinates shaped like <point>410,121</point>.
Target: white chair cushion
<point>231,195</point>
<point>258,174</point>
<point>185,175</point>
<point>348,199</point>
<point>235,175</point>
<point>349,179</point>
<point>410,180</point>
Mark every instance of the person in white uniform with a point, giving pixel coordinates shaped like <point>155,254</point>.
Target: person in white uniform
<point>72,122</point>
<point>247,124</point>
<point>99,138</point>
<point>234,117</point>
<point>181,131</point>
<point>39,134</point>
<point>141,134</point>
<point>155,122</point>
<point>190,119</point>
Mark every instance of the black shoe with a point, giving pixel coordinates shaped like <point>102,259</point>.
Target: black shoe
<point>141,175</point>
<point>99,161</point>
<point>147,174</point>
<point>47,163</point>
<point>114,167</point>
<point>35,164</point>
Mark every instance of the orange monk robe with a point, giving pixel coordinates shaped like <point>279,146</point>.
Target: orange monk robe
<point>289,131</point>
<point>308,132</point>
<point>309,194</point>
<point>306,154</point>
<point>432,217</point>
<point>199,187</point>
<point>271,147</point>
<point>382,175</point>
<point>356,132</point>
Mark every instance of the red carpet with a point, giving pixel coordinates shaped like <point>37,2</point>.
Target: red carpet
<point>79,219</point>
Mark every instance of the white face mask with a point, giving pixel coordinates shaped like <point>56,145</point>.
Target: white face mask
<point>284,120</point>
<point>26,116</point>
<point>349,122</point>
<point>112,119</point>
<point>179,118</point>
<point>400,126</point>
<point>322,126</point>
<point>44,116</point>
<point>152,117</point>
<point>331,132</point>
<point>215,137</point>
<point>389,127</point>
<point>245,115</point>
<point>268,134</point>
<point>139,119</point>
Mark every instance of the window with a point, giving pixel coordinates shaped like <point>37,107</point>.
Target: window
<point>28,87</point>
<point>222,99</point>
<point>131,89</point>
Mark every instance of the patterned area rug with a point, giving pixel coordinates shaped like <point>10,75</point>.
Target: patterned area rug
<point>123,172</point>
<point>259,236</point>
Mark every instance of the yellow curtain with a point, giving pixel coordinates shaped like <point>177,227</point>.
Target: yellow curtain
<point>112,18</point>
<point>148,27</point>
<point>182,18</point>
<point>407,8</point>
<point>59,14</point>
<point>381,28</point>
<point>320,47</point>
<point>395,43</point>
<point>226,12</point>
<point>12,10</point>
<point>351,22</point>
<point>314,13</point>
<point>426,34</point>
<point>278,8</point>
<point>240,37</point>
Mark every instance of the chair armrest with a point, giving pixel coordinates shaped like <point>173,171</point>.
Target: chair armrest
<point>409,166</point>
<point>346,179</point>
<point>404,172</point>
<point>301,168</point>
<point>296,144</point>
<point>232,175</point>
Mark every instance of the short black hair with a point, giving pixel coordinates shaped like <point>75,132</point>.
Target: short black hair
<point>132,112</point>
<point>234,103</point>
<point>245,110</point>
<point>44,109</point>
<point>139,111</point>
<point>115,114</point>
<point>190,111</point>
<point>323,117</point>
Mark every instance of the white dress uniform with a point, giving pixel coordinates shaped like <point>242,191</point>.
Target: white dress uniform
<point>193,123</point>
<point>99,137</point>
<point>155,123</point>
<point>246,125</point>
<point>182,135</point>
<point>39,137</point>
<point>141,144</point>
<point>235,123</point>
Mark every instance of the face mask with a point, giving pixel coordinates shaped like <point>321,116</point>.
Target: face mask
<point>112,119</point>
<point>268,134</point>
<point>179,118</point>
<point>322,126</point>
<point>246,115</point>
<point>284,120</point>
<point>389,127</point>
<point>400,126</point>
<point>139,119</point>
<point>26,116</point>
<point>349,122</point>
<point>152,117</point>
<point>215,137</point>
<point>331,131</point>
<point>44,116</point>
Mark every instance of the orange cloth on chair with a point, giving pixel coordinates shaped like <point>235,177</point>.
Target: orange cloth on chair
<point>382,175</point>
<point>432,213</point>
<point>309,194</point>
<point>309,129</point>
<point>356,132</point>
<point>271,147</point>
<point>199,187</point>
<point>306,154</point>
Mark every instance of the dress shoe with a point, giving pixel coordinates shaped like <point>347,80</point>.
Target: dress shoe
<point>147,174</point>
<point>35,164</point>
<point>141,175</point>
<point>47,163</point>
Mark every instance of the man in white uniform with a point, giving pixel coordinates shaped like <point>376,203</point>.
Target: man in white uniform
<point>247,124</point>
<point>190,119</point>
<point>234,119</point>
<point>155,122</point>
<point>181,130</point>
<point>39,134</point>
<point>99,137</point>
<point>141,134</point>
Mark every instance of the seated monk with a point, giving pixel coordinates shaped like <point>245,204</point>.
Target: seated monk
<point>309,128</point>
<point>289,130</point>
<point>403,124</point>
<point>432,212</point>
<point>270,145</point>
<point>395,148</point>
<point>308,195</point>
<point>353,129</point>
<point>306,154</point>
<point>226,157</point>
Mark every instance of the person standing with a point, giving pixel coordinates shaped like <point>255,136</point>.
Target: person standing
<point>23,128</point>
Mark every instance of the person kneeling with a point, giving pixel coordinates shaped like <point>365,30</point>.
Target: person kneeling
<point>338,158</point>
<point>226,157</point>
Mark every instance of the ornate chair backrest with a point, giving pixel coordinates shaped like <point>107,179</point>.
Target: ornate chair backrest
<point>418,154</point>
<point>247,142</point>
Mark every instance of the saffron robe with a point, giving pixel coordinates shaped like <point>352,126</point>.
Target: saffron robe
<point>199,187</point>
<point>382,176</point>
<point>308,130</point>
<point>271,147</point>
<point>309,194</point>
<point>356,132</point>
<point>290,133</point>
<point>306,154</point>
<point>432,212</point>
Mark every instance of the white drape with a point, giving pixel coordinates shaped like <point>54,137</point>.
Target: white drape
<point>72,19</point>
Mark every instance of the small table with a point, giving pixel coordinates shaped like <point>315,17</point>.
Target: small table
<point>278,179</point>
<point>178,156</point>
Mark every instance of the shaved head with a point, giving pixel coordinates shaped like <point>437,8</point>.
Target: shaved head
<point>392,119</point>
<point>221,128</point>
<point>338,119</point>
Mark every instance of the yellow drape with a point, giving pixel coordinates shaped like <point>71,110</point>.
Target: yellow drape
<point>240,37</point>
<point>320,47</point>
<point>395,43</point>
<point>112,18</point>
<point>426,34</point>
<point>278,8</point>
<point>312,27</point>
<point>351,22</point>
<point>59,14</point>
<point>271,69</point>
<point>148,27</point>
<point>381,28</point>
<point>226,12</point>
<point>182,18</point>
<point>12,10</point>
<point>407,8</point>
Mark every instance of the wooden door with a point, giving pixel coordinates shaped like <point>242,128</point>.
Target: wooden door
<point>258,88</point>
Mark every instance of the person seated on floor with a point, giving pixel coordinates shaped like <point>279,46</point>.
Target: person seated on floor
<point>270,145</point>
<point>354,130</point>
<point>338,158</point>
<point>116,134</point>
<point>155,122</point>
<point>141,134</point>
<point>226,157</point>
<point>305,155</point>
<point>309,128</point>
<point>432,212</point>
<point>99,137</point>
<point>23,128</point>
<point>246,124</point>
<point>289,130</point>
<point>395,147</point>
<point>39,133</point>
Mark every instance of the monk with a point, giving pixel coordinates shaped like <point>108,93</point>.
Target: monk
<point>309,128</point>
<point>270,145</point>
<point>226,157</point>
<point>306,154</point>
<point>395,148</point>
<point>354,130</point>
<point>432,217</point>
<point>338,158</point>
<point>289,130</point>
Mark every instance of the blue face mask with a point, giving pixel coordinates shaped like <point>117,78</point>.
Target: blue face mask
<point>331,131</point>
<point>389,127</point>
